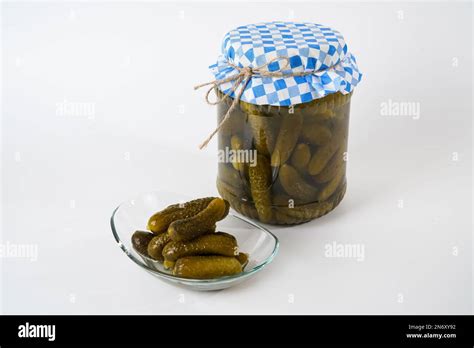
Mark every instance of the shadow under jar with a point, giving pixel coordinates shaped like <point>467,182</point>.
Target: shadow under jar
<point>287,164</point>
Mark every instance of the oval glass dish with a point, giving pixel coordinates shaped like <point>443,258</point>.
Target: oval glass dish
<point>132,215</point>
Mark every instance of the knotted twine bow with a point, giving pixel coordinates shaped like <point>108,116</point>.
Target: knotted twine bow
<point>244,75</point>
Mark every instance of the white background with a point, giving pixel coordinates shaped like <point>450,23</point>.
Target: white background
<point>137,63</point>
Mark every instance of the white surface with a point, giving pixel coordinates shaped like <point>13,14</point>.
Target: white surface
<point>63,175</point>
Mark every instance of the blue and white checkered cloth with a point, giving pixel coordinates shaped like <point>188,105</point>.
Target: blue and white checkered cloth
<point>309,47</point>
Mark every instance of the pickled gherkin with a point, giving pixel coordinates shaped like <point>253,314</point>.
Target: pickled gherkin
<point>301,156</point>
<point>260,181</point>
<point>296,186</point>
<point>300,171</point>
<point>160,221</point>
<point>199,224</point>
<point>316,133</point>
<point>283,219</point>
<point>206,267</point>
<point>234,180</point>
<point>263,135</point>
<point>140,240</point>
<point>156,245</point>
<point>332,185</point>
<point>218,243</point>
<point>331,169</point>
<point>290,129</point>
<point>324,153</point>
<point>237,144</point>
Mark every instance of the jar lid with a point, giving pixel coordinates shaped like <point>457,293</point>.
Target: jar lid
<point>314,57</point>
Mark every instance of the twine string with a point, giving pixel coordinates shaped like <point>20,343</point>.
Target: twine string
<point>241,79</point>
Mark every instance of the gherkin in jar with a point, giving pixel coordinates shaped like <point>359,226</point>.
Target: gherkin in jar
<point>298,171</point>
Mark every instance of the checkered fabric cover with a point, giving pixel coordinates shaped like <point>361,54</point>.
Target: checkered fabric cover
<point>309,47</point>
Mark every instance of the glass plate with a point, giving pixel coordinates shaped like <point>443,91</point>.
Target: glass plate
<point>132,215</point>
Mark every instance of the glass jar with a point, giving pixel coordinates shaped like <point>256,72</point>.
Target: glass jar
<point>284,165</point>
